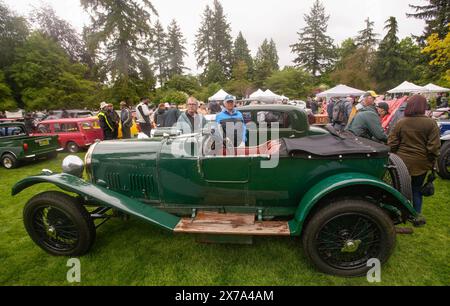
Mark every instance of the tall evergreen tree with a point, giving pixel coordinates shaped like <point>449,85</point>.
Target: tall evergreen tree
<point>124,28</point>
<point>241,53</point>
<point>314,49</point>
<point>160,54</point>
<point>388,64</point>
<point>436,15</point>
<point>266,61</point>
<point>214,42</point>
<point>176,50</point>
<point>204,37</point>
<point>367,38</point>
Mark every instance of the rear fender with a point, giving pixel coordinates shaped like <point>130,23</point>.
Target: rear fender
<point>101,196</point>
<point>339,181</point>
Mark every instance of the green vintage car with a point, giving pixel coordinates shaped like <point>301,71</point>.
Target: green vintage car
<point>327,189</point>
<point>16,146</point>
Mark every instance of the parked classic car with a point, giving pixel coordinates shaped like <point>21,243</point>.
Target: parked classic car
<point>443,163</point>
<point>74,134</point>
<point>17,146</point>
<point>327,189</point>
<point>442,116</point>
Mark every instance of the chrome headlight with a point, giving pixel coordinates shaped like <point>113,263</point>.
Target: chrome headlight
<point>73,165</point>
<point>88,160</point>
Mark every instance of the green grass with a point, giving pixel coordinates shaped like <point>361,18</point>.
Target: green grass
<point>137,253</point>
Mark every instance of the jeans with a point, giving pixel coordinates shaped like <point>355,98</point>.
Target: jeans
<point>126,133</point>
<point>146,128</point>
<point>416,184</point>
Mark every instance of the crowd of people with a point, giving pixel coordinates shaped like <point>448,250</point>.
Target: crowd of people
<point>410,134</point>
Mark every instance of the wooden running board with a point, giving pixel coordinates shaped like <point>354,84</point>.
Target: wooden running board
<point>231,224</point>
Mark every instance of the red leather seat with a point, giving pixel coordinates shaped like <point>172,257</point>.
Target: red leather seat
<point>269,148</point>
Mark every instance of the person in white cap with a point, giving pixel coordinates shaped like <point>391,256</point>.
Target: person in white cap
<point>105,124</point>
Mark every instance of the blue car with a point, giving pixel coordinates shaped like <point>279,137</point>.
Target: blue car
<point>442,115</point>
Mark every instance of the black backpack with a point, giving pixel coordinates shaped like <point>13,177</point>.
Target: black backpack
<point>339,115</point>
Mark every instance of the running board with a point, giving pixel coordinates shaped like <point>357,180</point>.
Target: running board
<point>231,224</point>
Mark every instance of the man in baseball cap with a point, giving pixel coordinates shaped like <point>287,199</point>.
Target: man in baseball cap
<point>232,122</point>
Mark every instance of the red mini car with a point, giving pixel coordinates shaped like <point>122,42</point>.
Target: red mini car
<point>74,133</point>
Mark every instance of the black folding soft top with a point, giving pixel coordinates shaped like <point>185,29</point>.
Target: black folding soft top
<point>331,145</point>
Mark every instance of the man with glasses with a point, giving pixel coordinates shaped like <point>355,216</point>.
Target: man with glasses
<point>191,121</point>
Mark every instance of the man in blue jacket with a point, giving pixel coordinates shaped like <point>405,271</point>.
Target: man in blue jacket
<point>232,122</point>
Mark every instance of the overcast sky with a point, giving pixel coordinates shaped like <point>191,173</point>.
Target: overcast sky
<point>259,19</point>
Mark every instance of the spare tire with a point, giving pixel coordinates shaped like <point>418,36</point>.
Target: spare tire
<point>398,176</point>
<point>444,161</point>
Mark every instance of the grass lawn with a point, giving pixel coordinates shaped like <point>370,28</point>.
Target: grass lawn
<point>136,253</point>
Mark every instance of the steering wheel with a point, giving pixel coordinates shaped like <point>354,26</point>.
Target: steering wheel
<point>214,144</point>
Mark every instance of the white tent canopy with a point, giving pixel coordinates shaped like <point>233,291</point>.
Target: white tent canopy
<point>219,96</point>
<point>340,91</point>
<point>407,87</point>
<point>435,89</point>
<point>256,94</point>
<point>269,97</point>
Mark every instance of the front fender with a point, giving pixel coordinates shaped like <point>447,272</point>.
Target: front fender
<point>101,196</point>
<point>335,182</point>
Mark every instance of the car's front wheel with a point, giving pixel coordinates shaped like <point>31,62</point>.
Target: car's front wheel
<point>59,224</point>
<point>343,236</point>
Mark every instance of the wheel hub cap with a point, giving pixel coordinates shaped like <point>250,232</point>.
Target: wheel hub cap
<point>8,163</point>
<point>351,246</point>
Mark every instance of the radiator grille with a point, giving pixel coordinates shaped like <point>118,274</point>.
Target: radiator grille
<point>113,180</point>
<point>138,182</point>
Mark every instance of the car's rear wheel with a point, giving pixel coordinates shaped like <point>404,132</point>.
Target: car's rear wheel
<point>72,147</point>
<point>343,236</point>
<point>59,224</point>
<point>444,161</point>
<point>9,161</point>
<point>398,176</point>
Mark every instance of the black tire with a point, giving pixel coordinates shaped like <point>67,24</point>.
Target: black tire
<point>398,176</point>
<point>337,257</point>
<point>72,147</point>
<point>9,161</point>
<point>444,161</point>
<point>59,224</point>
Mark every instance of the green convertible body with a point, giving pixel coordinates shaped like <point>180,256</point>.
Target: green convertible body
<point>170,181</point>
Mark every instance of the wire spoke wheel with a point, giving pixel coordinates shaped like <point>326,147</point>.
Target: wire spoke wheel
<point>340,238</point>
<point>348,241</point>
<point>59,224</point>
<point>55,229</point>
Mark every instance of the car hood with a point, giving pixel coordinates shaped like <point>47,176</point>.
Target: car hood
<point>129,146</point>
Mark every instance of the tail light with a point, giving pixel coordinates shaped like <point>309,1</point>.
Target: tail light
<point>25,146</point>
